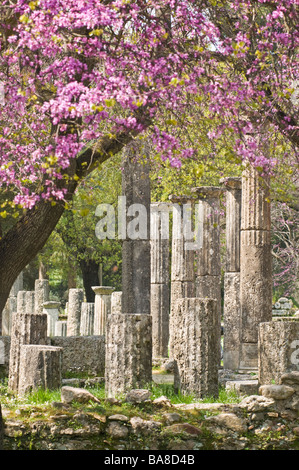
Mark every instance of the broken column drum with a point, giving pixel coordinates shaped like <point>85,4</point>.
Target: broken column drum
<point>76,297</point>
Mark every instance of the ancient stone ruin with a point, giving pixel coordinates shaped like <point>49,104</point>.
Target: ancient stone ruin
<point>171,307</point>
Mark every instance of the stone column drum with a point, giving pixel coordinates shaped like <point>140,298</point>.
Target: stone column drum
<point>196,346</point>
<point>116,302</point>
<point>232,307</point>
<point>87,319</point>
<point>182,260</point>
<point>51,308</point>
<point>129,334</point>
<point>208,260</point>
<point>76,297</point>
<point>40,367</point>
<point>255,263</point>
<point>102,308</point>
<point>42,291</point>
<point>128,352</point>
<point>26,329</point>
<point>160,277</point>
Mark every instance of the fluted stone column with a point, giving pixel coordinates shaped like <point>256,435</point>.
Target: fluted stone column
<point>208,261</point>
<point>60,328</point>
<point>129,334</point>
<point>256,263</point>
<point>102,308</point>
<point>27,328</point>
<point>21,301</point>
<point>87,319</point>
<point>182,261</point>
<point>232,307</point>
<point>160,277</point>
<point>195,343</point>
<point>76,297</point>
<point>42,290</point>
<point>51,308</point>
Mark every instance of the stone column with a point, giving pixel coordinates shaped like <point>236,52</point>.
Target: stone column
<point>102,308</point>
<point>42,290</point>
<point>232,308</point>
<point>51,308</point>
<point>116,302</point>
<point>128,353</point>
<point>30,301</point>
<point>129,335</point>
<point>182,260</point>
<point>196,370</point>
<point>160,277</point>
<point>208,261</point>
<point>76,297</point>
<point>255,263</point>
<point>60,328</point>
<point>87,319</point>
<point>11,305</point>
<point>27,328</point>
<point>40,367</point>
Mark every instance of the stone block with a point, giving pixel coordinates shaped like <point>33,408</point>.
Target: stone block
<point>278,350</point>
<point>40,367</point>
<point>128,352</point>
<point>243,387</point>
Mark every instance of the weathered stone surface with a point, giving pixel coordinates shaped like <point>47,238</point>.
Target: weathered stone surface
<point>128,352</point>
<point>138,396</point>
<point>117,430</point>
<point>51,308</point>
<point>30,301</point>
<point>118,417</point>
<point>145,427</point>
<point>162,401</point>
<point>76,297</point>
<point>82,353</point>
<point>87,319</point>
<point>290,378</point>
<point>26,329</point>
<point>42,291</point>
<point>243,387</point>
<point>160,254</point>
<point>257,403</point>
<point>230,421</point>
<point>60,328</point>
<point>116,302</point>
<point>233,188</point>
<point>277,392</point>
<point>80,395</point>
<point>160,309</point>
<point>40,367</point>
<point>184,428</point>
<point>195,346</point>
<point>277,354</point>
<point>171,418</point>
<point>255,201</point>
<point>231,321</point>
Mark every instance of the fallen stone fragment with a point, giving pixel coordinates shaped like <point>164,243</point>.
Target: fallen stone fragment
<point>70,394</point>
<point>184,427</point>
<point>257,403</point>
<point>142,426</point>
<point>138,396</point>
<point>277,392</point>
<point>162,401</point>
<point>230,421</point>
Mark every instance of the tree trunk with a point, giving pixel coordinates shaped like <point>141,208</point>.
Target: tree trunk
<point>90,274</point>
